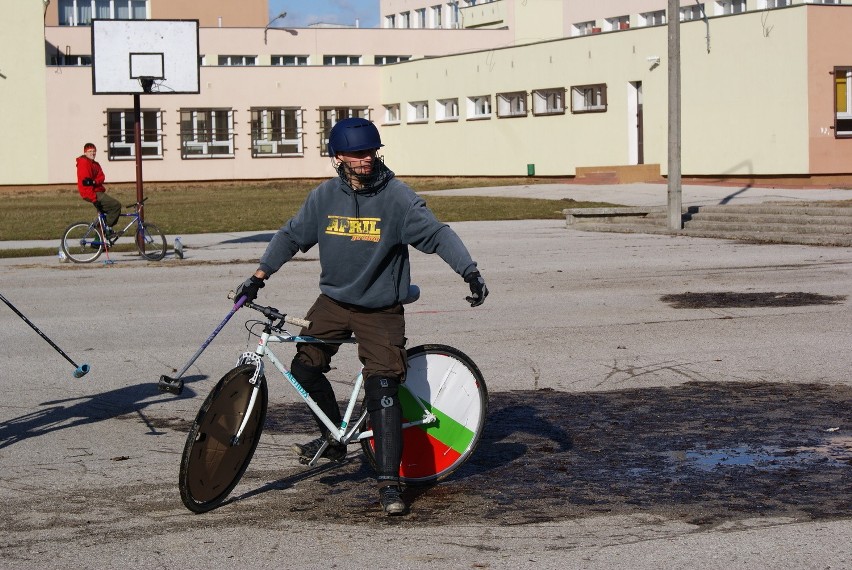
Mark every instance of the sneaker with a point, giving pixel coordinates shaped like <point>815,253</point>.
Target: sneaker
<point>335,451</point>
<point>391,499</point>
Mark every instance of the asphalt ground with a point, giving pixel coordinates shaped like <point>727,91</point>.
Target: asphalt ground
<point>656,401</point>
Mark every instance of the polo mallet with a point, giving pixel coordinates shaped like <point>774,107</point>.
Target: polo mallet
<point>175,385</point>
<point>79,371</point>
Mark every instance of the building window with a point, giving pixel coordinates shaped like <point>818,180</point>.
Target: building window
<point>329,117</point>
<point>276,131</point>
<point>420,18</point>
<point>418,112</point>
<point>82,12</point>
<point>290,60</point>
<point>656,18</point>
<point>843,102</point>
<point>207,133</point>
<point>512,104</point>
<point>121,134</point>
<point>447,110</point>
<point>584,28</point>
<point>341,60</point>
<point>726,7</point>
<point>618,23</point>
<point>387,59</point>
<point>405,20</point>
<point>548,101</point>
<point>588,98</point>
<point>70,60</point>
<point>437,21</point>
<point>392,114</point>
<point>773,3</point>
<point>688,13</point>
<point>479,107</point>
<point>237,60</point>
<point>452,15</point>
<point>390,21</point>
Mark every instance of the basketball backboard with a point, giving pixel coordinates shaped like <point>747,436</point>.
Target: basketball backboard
<point>144,56</point>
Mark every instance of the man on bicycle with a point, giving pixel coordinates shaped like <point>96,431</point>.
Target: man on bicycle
<point>363,221</point>
<point>90,184</point>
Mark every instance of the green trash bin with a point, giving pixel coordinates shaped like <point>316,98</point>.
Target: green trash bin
<point>531,170</point>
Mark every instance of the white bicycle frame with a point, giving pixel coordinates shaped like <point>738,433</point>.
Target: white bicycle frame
<point>340,433</point>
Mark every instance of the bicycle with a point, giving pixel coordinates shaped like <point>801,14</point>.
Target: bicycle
<point>444,401</point>
<point>84,242</point>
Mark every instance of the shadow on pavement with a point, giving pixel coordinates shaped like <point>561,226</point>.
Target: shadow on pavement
<point>56,415</point>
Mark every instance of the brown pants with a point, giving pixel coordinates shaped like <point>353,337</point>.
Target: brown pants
<point>380,334</point>
<point>109,206</point>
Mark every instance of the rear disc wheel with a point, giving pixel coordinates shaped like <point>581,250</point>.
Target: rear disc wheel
<point>446,382</point>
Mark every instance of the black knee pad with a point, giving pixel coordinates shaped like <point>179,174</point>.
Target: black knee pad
<point>311,378</point>
<point>381,392</point>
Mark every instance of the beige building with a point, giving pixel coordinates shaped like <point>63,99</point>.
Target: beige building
<point>508,87</point>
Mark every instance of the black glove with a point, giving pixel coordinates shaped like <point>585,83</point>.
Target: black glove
<point>478,290</point>
<point>88,182</point>
<point>249,288</point>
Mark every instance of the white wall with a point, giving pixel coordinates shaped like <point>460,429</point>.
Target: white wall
<point>22,93</point>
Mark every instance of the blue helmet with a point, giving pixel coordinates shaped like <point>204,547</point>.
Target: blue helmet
<point>353,134</point>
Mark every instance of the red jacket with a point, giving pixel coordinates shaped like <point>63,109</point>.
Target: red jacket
<point>88,168</point>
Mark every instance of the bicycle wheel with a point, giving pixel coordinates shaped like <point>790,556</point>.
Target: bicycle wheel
<point>446,382</point>
<point>82,242</point>
<point>211,466</point>
<point>151,242</point>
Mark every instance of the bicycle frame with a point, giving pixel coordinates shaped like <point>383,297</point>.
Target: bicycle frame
<point>340,433</point>
<point>101,222</point>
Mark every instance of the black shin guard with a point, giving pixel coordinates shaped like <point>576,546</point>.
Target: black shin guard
<point>386,419</point>
<point>319,388</point>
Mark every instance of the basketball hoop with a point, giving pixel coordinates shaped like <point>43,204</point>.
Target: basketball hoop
<point>147,83</point>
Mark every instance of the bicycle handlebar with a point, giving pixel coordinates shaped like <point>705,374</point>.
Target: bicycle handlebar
<point>272,313</point>
<point>137,205</point>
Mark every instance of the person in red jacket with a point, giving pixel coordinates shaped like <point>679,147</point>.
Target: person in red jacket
<point>90,184</point>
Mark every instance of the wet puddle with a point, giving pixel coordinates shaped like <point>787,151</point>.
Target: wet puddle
<point>837,453</point>
<point>703,452</point>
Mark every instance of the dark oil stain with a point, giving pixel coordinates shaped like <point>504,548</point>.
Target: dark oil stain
<point>705,453</point>
<point>731,300</point>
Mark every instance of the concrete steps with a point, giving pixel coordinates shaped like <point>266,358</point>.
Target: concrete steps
<point>818,223</point>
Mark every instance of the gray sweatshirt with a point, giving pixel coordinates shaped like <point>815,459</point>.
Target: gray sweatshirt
<point>363,241</point>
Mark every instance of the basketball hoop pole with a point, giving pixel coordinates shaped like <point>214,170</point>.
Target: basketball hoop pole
<point>137,143</point>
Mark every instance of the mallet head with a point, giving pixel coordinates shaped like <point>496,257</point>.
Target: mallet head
<point>168,384</point>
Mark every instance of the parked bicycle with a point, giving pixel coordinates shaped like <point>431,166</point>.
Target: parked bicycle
<point>444,401</point>
<point>84,242</point>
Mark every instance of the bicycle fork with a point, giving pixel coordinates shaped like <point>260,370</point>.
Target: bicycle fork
<point>249,358</point>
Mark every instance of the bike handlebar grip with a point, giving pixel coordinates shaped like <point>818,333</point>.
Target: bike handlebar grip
<point>304,323</point>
